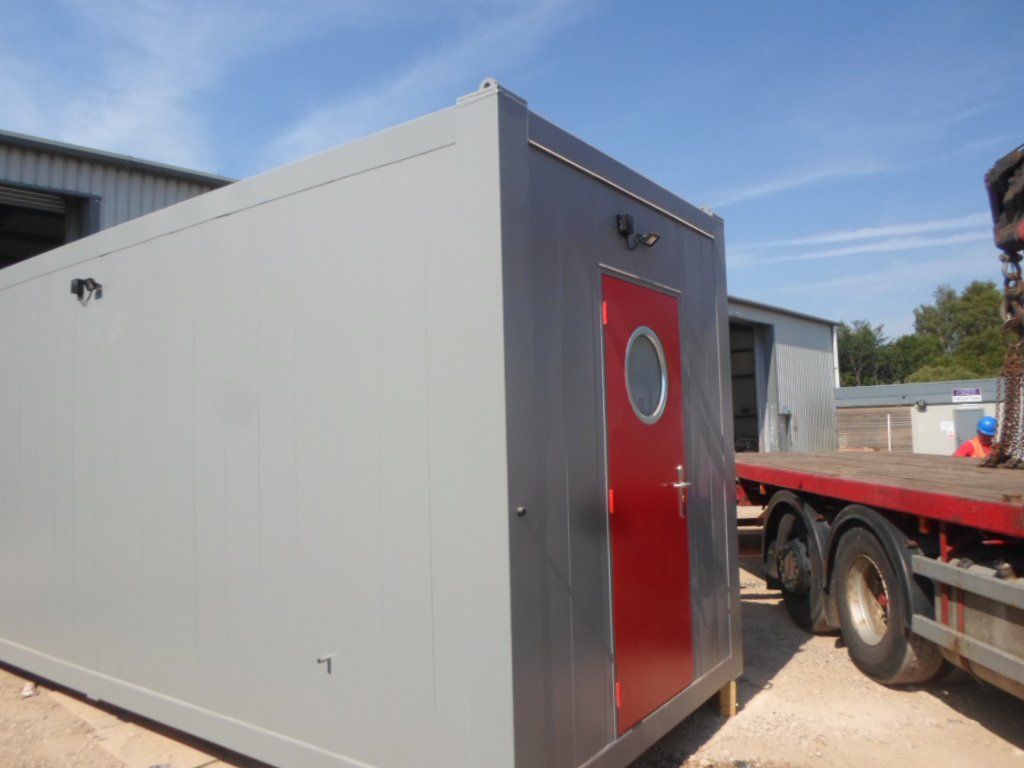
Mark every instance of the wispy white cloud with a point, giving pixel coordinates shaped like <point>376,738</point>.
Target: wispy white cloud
<point>137,91</point>
<point>491,43</point>
<point>796,180</point>
<point>886,293</point>
<point>151,64</point>
<point>894,277</point>
<point>889,230</point>
<point>882,246</point>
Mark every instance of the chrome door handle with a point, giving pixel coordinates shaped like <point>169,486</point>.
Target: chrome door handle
<point>682,485</point>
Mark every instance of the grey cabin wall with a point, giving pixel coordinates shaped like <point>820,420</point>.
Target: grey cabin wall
<point>279,435</point>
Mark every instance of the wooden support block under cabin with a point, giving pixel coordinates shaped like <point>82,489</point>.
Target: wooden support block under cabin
<point>727,699</point>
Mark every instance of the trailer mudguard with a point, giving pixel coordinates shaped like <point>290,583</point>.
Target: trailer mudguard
<point>897,545</point>
<point>783,502</point>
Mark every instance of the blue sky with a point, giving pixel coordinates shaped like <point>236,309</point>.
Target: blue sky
<point>843,143</point>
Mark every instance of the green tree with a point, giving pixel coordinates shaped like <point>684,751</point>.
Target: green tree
<point>942,372</point>
<point>910,353</point>
<point>956,337</point>
<point>861,353</point>
<point>965,328</point>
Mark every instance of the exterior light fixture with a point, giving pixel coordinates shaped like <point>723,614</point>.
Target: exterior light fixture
<point>625,226</point>
<point>86,289</point>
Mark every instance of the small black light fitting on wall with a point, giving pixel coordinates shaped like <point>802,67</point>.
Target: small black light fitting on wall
<point>86,289</point>
<point>625,225</point>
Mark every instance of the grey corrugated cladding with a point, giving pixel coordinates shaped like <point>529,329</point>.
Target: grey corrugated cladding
<point>126,187</point>
<point>299,423</point>
<point>803,370</point>
<point>931,392</point>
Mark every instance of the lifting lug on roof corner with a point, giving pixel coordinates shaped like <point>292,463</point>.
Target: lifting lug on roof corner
<point>487,83</point>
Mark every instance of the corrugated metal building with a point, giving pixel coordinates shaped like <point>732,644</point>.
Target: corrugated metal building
<point>52,193</point>
<point>930,417</point>
<point>785,367</point>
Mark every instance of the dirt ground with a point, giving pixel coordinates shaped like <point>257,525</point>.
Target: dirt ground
<point>802,704</point>
<point>40,732</point>
<point>57,729</point>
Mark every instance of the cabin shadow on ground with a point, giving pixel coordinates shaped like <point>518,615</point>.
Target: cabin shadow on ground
<point>227,758</point>
<point>770,640</point>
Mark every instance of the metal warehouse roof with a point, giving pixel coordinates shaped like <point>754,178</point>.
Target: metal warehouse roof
<point>781,310</point>
<point>931,392</point>
<point>110,158</point>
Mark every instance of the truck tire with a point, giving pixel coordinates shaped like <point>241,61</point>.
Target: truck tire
<point>873,610</point>
<point>800,568</point>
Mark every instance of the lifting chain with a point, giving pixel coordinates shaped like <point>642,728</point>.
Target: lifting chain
<point>1008,448</point>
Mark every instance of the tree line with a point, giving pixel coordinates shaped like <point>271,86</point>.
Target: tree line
<point>955,337</point>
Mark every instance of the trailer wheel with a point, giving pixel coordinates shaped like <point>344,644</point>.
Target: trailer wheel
<point>873,607</point>
<point>799,569</point>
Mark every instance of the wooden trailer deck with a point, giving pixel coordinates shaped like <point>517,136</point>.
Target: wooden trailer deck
<point>939,487</point>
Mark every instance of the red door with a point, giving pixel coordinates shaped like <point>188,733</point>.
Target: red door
<point>646,501</point>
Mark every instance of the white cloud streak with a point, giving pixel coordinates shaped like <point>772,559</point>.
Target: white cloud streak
<point>890,230</point>
<point>883,246</point>
<point>421,86</point>
<point>893,277</point>
<point>792,181</point>
<point>151,64</point>
<point>149,61</point>
<point>861,293</point>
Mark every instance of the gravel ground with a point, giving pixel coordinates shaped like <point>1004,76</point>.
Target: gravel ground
<point>39,732</point>
<point>803,703</point>
<point>59,729</point>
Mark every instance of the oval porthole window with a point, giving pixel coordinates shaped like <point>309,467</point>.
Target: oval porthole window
<point>646,375</point>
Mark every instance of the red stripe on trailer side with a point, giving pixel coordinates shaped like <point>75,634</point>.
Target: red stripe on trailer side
<point>1006,519</point>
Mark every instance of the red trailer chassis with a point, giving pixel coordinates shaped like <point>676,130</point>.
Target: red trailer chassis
<point>916,559</point>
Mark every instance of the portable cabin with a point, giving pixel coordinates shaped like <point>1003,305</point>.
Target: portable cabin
<point>417,452</point>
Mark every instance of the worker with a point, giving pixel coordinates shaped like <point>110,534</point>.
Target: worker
<point>981,446</point>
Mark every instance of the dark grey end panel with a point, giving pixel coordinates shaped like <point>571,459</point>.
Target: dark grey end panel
<point>559,236</point>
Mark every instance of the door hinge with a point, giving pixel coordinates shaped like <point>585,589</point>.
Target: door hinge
<point>611,502</point>
<point>618,695</point>
<point>604,313</point>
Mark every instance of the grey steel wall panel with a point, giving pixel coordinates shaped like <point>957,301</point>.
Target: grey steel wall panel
<point>560,236</point>
<point>276,437</point>
<point>124,193</point>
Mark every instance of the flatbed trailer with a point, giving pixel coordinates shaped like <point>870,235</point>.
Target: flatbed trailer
<point>918,560</point>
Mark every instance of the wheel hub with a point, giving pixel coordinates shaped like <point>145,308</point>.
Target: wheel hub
<point>868,597</point>
<point>795,567</point>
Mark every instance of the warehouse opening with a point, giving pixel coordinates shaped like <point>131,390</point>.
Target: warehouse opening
<point>32,222</point>
<point>746,413</point>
